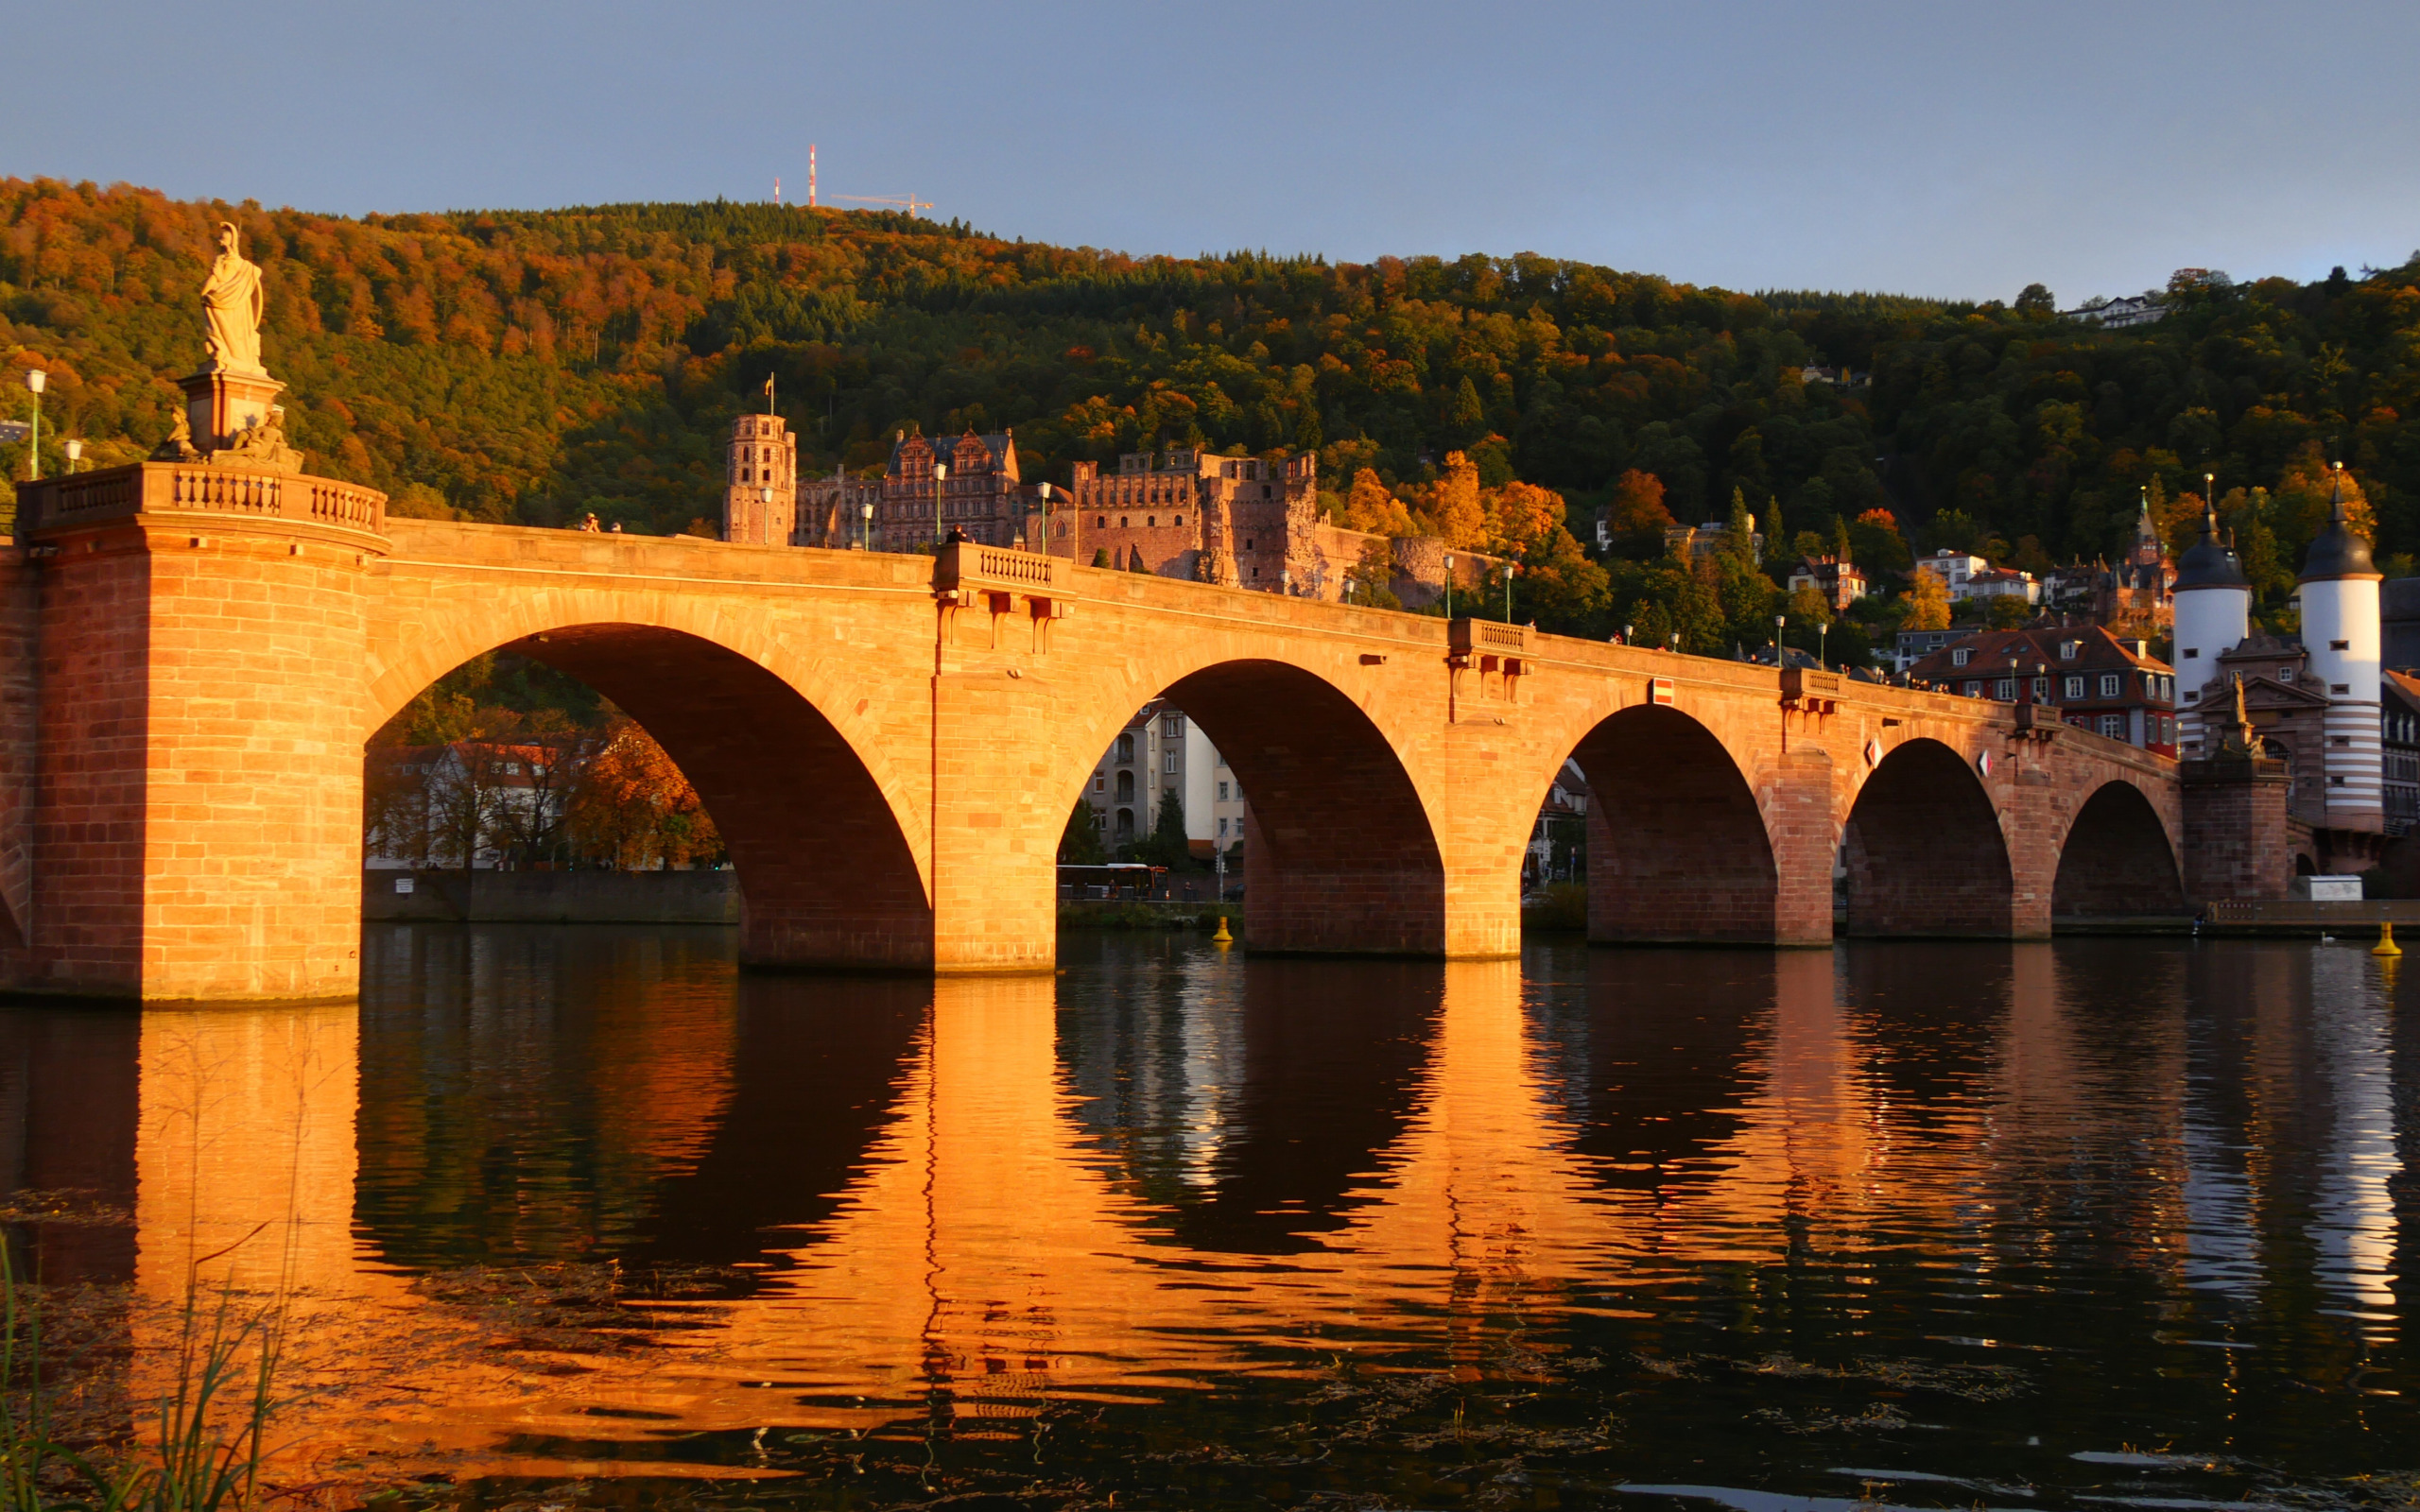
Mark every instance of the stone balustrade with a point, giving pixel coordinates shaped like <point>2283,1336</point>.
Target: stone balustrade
<point>82,499</point>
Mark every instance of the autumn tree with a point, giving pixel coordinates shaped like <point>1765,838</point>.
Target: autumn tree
<point>633,808</point>
<point>1635,516</point>
<point>1369,507</point>
<point>1453,506</point>
<point>1927,604</point>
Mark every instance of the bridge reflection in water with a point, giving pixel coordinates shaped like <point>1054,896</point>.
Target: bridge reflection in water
<point>939,1206</point>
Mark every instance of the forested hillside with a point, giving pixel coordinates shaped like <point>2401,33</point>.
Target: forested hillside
<point>529,365</point>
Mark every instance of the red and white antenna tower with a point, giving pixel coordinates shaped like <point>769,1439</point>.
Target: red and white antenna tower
<point>810,176</point>
<point>777,188</point>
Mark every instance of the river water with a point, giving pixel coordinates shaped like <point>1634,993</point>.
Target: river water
<point>566,1217</point>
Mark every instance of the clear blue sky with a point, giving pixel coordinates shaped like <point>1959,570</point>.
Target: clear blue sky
<point>1961,150</point>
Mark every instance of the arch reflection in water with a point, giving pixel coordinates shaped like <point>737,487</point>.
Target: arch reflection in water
<point>939,1208</point>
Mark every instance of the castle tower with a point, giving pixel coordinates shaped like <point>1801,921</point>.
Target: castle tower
<point>2213,615</point>
<point>760,501</point>
<point>2339,599</point>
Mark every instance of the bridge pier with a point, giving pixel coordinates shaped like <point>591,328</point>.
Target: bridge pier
<point>995,842</point>
<point>196,832</point>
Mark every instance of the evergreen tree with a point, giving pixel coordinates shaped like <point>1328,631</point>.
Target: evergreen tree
<point>1166,844</point>
<point>1080,845</point>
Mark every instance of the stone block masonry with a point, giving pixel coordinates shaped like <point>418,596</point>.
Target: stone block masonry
<point>892,744</point>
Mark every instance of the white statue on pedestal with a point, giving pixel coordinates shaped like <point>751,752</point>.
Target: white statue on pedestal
<point>231,303</point>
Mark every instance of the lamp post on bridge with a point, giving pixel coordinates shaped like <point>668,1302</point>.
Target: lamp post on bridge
<point>1045,490</point>
<point>868,508</point>
<point>35,381</point>
<point>1449,585</point>
<point>1510,568</point>
<point>941,476</point>
<point>1781,653</point>
<point>75,451</point>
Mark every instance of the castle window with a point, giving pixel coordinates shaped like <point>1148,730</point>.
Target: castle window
<point>2285,673</point>
<point>1152,520</point>
<point>1248,547</point>
<point>1122,521</point>
<point>1180,521</point>
<point>1100,523</point>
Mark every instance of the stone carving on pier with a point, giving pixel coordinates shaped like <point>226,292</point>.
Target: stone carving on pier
<point>179,447</point>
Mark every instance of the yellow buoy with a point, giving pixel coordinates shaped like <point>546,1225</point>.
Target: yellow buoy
<point>2386,945</point>
<point>1223,938</point>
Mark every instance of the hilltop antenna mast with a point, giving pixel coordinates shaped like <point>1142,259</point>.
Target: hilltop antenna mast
<point>810,176</point>
<point>777,189</point>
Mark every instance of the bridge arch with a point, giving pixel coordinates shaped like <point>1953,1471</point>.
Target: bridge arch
<point>1923,851</point>
<point>1677,845</point>
<point>1341,854</point>
<point>2116,859</point>
<point>828,866</point>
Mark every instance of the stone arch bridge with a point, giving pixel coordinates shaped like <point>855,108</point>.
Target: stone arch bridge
<point>195,656</point>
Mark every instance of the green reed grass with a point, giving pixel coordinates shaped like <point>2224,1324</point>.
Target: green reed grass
<point>206,1445</point>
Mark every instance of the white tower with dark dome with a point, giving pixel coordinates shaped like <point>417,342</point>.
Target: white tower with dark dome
<point>2340,613</point>
<point>2213,615</point>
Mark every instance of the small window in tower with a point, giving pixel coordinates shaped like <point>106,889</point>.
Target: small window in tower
<point>2339,687</point>
<point>2190,653</point>
<point>1122,522</point>
<point>1265,491</point>
<point>1152,520</point>
<point>1248,547</point>
<point>1177,522</point>
<point>1100,523</point>
<point>2285,673</point>
<point>2339,645</point>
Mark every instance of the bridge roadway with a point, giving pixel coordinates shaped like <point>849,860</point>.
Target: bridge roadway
<point>891,746</point>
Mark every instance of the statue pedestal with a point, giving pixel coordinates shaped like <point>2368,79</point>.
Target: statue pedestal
<point>220,406</point>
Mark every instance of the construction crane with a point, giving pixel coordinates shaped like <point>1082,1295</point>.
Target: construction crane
<point>911,204</point>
